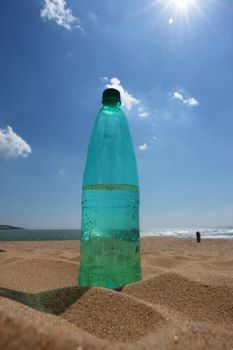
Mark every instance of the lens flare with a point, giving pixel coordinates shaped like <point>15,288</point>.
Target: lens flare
<point>179,13</point>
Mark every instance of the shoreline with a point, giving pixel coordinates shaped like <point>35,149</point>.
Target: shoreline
<point>74,234</point>
<point>142,238</point>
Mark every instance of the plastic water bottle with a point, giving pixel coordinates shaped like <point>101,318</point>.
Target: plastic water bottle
<point>110,236</point>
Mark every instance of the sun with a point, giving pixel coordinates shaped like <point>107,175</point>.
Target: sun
<point>182,12</point>
<point>178,13</point>
<point>181,3</point>
<point>185,9</point>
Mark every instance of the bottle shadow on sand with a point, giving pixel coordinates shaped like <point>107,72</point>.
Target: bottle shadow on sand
<point>54,301</point>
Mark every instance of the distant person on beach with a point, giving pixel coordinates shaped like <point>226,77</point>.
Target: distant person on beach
<point>198,236</point>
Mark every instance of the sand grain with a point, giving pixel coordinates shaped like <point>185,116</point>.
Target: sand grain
<point>185,300</point>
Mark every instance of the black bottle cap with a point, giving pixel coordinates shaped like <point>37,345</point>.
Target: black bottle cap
<point>111,95</point>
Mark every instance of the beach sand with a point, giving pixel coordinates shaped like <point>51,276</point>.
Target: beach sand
<point>185,300</point>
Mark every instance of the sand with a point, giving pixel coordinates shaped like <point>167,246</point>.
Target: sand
<point>185,300</point>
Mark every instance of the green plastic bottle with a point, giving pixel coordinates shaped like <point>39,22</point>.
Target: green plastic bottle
<point>110,236</point>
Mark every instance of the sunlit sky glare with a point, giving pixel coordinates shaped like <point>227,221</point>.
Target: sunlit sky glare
<point>172,62</point>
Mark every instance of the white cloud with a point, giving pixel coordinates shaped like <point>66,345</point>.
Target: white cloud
<point>171,20</point>
<point>142,112</point>
<point>61,172</point>
<point>191,101</point>
<point>153,139</point>
<point>143,147</point>
<point>178,96</point>
<point>103,79</point>
<point>127,100</point>
<point>55,10</point>
<point>12,145</point>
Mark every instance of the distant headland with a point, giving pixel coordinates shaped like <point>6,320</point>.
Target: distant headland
<point>9,227</point>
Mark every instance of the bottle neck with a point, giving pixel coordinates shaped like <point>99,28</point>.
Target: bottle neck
<point>111,106</point>
<point>111,103</point>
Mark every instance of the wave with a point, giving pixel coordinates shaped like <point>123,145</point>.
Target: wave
<point>211,232</point>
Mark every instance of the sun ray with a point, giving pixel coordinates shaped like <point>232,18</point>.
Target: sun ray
<point>202,14</point>
<point>184,9</point>
<point>180,13</point>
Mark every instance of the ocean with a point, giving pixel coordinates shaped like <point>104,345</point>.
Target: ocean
<point>58,235</point>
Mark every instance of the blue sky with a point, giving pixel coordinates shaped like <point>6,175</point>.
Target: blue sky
<point>172,62</point>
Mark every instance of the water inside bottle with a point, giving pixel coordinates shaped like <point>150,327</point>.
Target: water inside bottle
<point>110,249</point>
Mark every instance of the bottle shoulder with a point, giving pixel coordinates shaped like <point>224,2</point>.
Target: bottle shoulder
<point>111,158</point>
<point>115,113</point>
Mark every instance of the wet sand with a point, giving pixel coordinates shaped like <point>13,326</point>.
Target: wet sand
<point>185,300</point>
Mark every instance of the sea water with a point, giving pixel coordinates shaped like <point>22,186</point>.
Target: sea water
<point>219,232</point>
